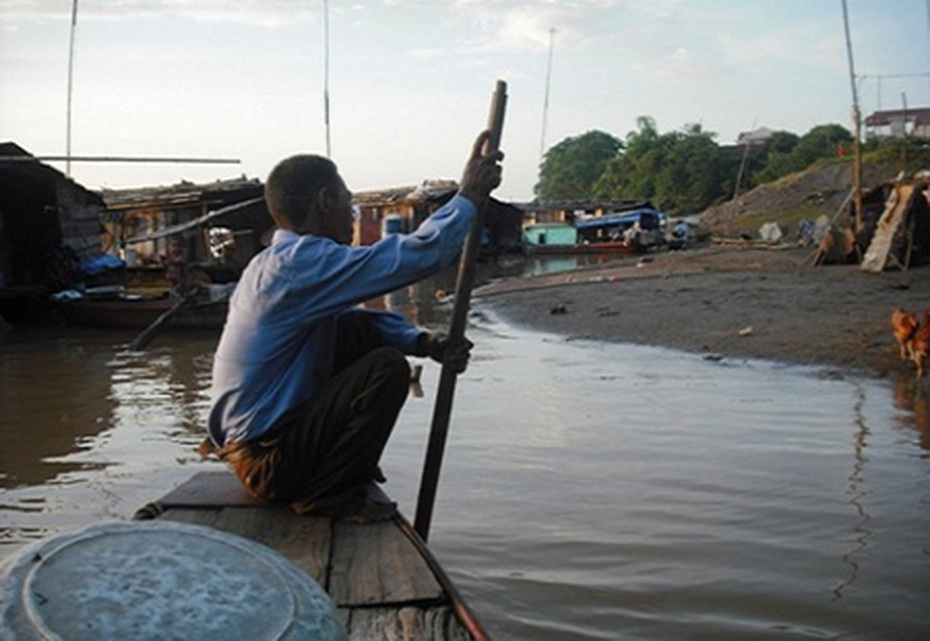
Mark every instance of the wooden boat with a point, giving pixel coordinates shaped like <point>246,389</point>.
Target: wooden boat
<point>139,312</point>
<point>381,576</point>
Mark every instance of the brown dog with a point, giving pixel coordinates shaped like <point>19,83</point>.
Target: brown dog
<point>920,346</point>
<point>905,329</point>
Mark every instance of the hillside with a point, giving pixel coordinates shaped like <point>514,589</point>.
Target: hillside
<point>819,190</point>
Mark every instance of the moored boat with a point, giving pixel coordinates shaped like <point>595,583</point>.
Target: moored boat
<point>139,312</point>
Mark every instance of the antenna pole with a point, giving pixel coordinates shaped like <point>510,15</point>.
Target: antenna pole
<point>329,150</point>
<point>857,118</point>
<point>542,138</point>
<point>74,11</point>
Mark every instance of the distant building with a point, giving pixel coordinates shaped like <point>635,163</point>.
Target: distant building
<point>754,137</point>
<point>899,123</point>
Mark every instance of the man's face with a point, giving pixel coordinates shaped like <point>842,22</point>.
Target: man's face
<point>338,221</point>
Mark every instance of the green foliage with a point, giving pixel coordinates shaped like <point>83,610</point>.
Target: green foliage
<point>823,141</point>
<point>681,172</point>
<point>678,171</point>
<point>910,154</point>
<point>572,167</point>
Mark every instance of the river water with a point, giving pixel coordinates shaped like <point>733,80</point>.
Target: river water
<point>589,490</point>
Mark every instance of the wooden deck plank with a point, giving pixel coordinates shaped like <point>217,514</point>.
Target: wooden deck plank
<point>375,563</point>
<point>305,541</point>
<point>381,581</point>
<point>420,624</point>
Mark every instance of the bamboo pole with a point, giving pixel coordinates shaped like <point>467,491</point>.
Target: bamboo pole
<point>466,278</point>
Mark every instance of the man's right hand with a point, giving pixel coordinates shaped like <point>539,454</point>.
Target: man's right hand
<point>482,173</point>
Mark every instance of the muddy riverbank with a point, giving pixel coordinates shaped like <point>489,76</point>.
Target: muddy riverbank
<point>725,302</point>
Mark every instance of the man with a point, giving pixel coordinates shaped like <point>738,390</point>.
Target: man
<point>307,386</point>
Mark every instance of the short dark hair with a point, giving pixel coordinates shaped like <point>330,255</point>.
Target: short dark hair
<point>293,186</point>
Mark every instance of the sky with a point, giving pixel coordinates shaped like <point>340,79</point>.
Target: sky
<point>410,81</point>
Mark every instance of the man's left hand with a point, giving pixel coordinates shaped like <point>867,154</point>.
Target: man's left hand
<point>440,348</point>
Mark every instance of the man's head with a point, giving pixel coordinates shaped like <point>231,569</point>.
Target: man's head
<point>306,195</point>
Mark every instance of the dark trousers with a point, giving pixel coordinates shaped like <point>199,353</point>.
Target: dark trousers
<point>320,456</point>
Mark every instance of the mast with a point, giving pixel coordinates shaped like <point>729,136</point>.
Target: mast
<point>74,10</point>
<point>857,118</point>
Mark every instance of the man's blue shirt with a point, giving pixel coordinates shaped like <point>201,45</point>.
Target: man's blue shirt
<point>277,346</point>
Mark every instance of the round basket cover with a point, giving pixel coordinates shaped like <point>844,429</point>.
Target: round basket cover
<point>160,580</point>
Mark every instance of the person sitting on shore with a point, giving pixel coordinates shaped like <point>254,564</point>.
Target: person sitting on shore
<point>307,385</point>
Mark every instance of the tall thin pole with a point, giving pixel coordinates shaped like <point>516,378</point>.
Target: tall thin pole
<point>74,10</point>
<point>329,150</point>
<point>545,116</point>
<point>857,118</point>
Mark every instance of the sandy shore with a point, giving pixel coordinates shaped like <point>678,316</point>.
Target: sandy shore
<point>725,302</point>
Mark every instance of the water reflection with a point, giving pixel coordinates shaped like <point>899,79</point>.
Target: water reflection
<point>911,397</point>
<point>55,397</point>
<point>161,378</point>
<point>857,492</point>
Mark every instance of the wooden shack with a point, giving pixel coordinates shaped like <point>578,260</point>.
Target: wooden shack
<point>402,209</point>
<point>143,224</point>
<point>901,234</point>
<point>49,224</point>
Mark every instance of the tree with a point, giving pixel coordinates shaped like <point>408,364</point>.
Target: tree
<point>572,167</point>
<point>692,177</point>
<point>680,172</point>
<point>632,174</point>
<point>823,141</point>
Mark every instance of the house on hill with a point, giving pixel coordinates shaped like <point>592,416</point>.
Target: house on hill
<point>899,123</point>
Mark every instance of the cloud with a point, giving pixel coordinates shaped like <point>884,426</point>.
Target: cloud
<point>263,13</point>
<point>521,27</point>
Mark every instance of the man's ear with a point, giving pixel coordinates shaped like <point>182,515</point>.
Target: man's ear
<point>326,200</point>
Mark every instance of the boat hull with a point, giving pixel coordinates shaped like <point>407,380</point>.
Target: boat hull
<point>128,313</point>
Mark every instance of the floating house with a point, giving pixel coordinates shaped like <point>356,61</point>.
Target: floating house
<point>566,211</point>
<point>402,209</point>
<point>537,235</point>
<point>49,226</point>
<point>591,226</point>
<point>220,223</point>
